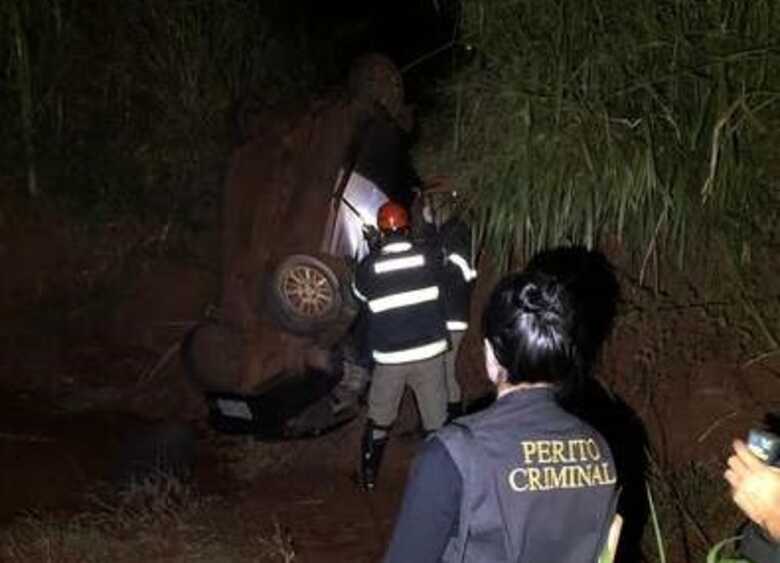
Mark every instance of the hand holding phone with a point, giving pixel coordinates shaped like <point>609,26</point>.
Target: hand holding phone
<point>764,445</point>
<point>755,485</point>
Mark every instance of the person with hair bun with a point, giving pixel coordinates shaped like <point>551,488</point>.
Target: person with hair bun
<point>523,480</point>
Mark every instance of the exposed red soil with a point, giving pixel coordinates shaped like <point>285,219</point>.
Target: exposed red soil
<point>328,517</point>
<point>69,348</point>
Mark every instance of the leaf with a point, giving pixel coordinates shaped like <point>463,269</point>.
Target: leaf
<point>714,554</point>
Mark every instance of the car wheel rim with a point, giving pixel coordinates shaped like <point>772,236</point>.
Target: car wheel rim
<point>308,292</point>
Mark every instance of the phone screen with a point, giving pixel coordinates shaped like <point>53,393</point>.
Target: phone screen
<point>764,445</point>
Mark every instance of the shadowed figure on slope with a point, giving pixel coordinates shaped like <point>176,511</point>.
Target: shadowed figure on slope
<point>590,278</point>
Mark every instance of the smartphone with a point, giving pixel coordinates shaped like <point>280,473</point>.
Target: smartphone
<point>764,445</point>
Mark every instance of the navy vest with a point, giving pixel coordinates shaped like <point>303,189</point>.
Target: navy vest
<point>539,484</point>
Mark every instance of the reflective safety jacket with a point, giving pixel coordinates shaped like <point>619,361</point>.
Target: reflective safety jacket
<point>459,275</point>
<point>539,484</point>
<point>399,285</point>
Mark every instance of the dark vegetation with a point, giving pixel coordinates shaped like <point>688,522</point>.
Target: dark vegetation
<point>151,96</point>
<point>131,107</point>
<point>647,129</point>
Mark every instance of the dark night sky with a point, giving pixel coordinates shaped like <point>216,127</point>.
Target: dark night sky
<point>405,30</point>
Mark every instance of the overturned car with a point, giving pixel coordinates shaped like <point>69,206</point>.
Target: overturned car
<point>300,198</point>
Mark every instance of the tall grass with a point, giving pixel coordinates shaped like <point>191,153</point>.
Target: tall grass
<point>659,538</point>
<point>130,102</point>
<point>690,508</point>
<point>17,14</point>
<point>637,121</point>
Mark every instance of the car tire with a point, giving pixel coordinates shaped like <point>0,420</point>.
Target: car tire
<point>306,293</point>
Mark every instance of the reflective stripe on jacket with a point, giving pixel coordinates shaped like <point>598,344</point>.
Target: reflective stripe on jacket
<point>458,274</point>
<point>399,285</point>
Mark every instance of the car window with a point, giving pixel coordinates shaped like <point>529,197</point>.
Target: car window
<point>358,206</point>
<point>382,170</point>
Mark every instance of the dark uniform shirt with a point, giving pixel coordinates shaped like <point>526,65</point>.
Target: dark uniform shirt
<point>522,481</point>
<point>399,284</point>
<point>454,242</point>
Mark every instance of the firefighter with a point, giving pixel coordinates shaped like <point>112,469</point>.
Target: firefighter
<point>405,334</point>
<point>522,480</point>
<point>452,239</point>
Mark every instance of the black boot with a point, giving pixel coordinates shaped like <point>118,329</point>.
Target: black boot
<point>371,456</point>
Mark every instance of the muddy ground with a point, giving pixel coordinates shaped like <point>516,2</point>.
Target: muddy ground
<point>92,313</point>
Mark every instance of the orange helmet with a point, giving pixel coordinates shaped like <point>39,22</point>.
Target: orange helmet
<point>392,217</point>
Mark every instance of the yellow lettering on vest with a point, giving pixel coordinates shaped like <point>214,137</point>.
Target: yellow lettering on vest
<point>608,479</point>
<point>593,449</point>
<point>547,477</point>
<point>529,450</point>
<point>543,447</point>
<point>584,475</point>
<point>553,478</point>
<point>557,452</point>
<point>595,475</point>
<point>571,477</point>
<point>534,479</point>
<point>576,450</point>
<point>566,478</point>
<point>583,447</point>
<point>518,480</point>
<point>570,451</point>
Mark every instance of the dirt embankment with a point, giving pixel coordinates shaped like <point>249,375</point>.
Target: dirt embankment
<point>89,312</point>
